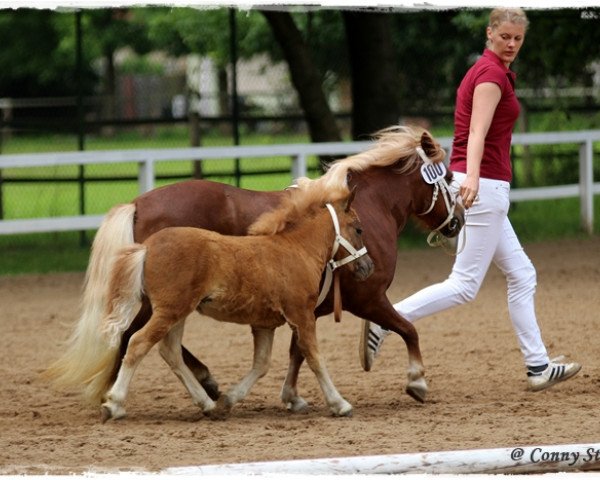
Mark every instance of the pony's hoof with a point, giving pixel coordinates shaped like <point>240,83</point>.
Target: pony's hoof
<point>222,409</point>
<point>346,414</point>
<point>108,413</point>
<point>344,410</point>
<point>217,414</point>
<point>417,389</point>
<point>297,405</point>
<point>105,414</point>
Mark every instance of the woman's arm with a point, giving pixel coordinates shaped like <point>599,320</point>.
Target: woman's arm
<point>485,100</point>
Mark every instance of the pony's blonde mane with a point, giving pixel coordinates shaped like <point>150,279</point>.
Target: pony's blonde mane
<point>393,145</point>
<point>305,198</point>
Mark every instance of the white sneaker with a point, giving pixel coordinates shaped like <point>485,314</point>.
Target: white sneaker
<point>371,340</point>
<point>555,372</point>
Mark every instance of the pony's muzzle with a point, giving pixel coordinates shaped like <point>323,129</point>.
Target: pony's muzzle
<point>455,224</point>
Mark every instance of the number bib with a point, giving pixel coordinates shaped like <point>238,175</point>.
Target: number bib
<point>433,172</point>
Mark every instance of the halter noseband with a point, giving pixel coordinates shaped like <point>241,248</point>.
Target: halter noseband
<point>332,264</point>
<point>439,184</point>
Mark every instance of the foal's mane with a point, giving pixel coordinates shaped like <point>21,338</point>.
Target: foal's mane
<point>305,198</point>
<point>395,145</point>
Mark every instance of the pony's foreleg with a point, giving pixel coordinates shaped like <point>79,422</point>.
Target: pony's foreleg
<point>170,350</point>
<point>307,343</point>
<point>417,385</point>
<point>384,314</point>
<point>263,346</point>
<point>289,390</point>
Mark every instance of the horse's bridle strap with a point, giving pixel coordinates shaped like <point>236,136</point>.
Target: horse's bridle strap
<point>449,201</point>
<point>332,264</point>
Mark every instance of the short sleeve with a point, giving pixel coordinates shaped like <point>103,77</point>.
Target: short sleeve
<point>491,73</point>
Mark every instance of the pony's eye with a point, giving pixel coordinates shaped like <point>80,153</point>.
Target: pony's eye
<point>359,231</point>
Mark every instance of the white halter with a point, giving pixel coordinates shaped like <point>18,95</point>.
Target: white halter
<point>332,264</point>
<point>433,173</point>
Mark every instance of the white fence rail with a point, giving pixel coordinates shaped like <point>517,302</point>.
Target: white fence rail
<point>146,159</point>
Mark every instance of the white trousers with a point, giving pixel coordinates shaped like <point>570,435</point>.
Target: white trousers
<point>489,237</point>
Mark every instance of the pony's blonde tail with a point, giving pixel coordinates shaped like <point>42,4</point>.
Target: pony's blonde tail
<point>125,293</point>
<point>86,351</point>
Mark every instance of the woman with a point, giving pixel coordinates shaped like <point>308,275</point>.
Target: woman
<point>486,111</point>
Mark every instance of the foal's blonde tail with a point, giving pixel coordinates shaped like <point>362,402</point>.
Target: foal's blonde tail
<point>86,348</point>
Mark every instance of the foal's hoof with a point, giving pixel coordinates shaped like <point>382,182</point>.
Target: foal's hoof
<point>297,405</point>
<point>221,410</point>
<point>343,410</point>
<point>346,414</point>
<point>106,413</point>
<point>217,414</point>
<point>417,389</point>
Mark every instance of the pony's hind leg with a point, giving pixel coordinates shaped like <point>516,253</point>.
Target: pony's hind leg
<point>307,343</point>
<point>139,345</point>
<point>263,346</point>
<point>199,370</point>
<point>170,351</point>
<point>289,390</point>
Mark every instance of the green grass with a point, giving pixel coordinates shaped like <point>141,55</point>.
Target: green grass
<point>30,200</point>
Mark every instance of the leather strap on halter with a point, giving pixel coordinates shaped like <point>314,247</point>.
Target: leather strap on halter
<point>337,298</point>
<point>333,265</point>
<point>449,201</point>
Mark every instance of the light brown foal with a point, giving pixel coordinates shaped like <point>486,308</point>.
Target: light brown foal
<point>266,279</point>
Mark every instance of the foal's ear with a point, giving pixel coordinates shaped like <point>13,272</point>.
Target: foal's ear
<point>350,199</point>
<point>428,144</point>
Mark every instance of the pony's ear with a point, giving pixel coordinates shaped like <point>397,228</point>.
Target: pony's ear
<point>428,144</point>
<point>350,199</point>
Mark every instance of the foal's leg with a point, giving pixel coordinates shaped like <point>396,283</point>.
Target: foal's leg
<point>263,346</point>
<point>170,350</point>
<point>289,391</point>
<point>200,371</point>
<point>307,343</point>
<point>140,344</point>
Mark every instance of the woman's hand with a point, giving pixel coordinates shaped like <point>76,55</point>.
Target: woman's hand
<point>468,190</point>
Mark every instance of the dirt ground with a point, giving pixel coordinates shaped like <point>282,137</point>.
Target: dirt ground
<point>477,399</point>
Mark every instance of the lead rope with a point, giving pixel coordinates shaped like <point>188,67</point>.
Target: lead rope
<point>436,239</point>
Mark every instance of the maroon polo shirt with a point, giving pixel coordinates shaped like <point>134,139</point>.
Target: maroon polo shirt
<point>495,163</point>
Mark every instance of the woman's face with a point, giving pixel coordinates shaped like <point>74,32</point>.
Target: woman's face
<point>506,40</point>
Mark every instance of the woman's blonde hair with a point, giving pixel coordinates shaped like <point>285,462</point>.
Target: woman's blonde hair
<point>513,15</point>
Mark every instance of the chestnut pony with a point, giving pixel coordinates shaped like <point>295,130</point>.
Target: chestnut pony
<point>390,188</point>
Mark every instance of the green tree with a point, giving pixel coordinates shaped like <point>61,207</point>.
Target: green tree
<point>305,77</point>
<point>37,58</point>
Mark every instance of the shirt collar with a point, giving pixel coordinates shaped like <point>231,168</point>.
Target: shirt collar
<point>487,53</point>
